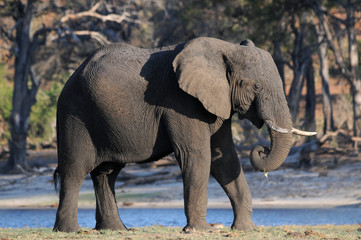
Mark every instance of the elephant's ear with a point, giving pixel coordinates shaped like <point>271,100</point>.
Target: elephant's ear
<point>201,72</point>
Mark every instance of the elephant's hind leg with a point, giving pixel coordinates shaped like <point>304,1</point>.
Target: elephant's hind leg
<point>76,157</point>
<point>67,214</point>
<point>107,216</point>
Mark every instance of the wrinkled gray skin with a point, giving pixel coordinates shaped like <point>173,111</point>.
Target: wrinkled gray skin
<point>130,105</point>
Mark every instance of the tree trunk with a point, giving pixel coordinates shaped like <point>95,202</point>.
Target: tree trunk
<point>299,69</point>
<point>328,124</point>
<point>277,55</point>
<point>354,67</point>
<point>24,92</point>
<point>310,122</point>
<point>294,94</point>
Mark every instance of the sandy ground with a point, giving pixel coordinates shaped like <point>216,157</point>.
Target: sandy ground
<point>316,187</point>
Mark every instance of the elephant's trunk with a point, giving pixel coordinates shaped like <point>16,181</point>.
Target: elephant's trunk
<point>265,159</point>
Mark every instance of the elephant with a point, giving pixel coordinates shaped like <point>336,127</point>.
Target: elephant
<point>130,105</point>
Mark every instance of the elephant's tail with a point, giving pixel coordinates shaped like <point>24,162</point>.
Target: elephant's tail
<point>56,178</point>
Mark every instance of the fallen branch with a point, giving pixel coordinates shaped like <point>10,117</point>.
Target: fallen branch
<point>339,133</point>
<point>356,139</point>
<point>324,138</point>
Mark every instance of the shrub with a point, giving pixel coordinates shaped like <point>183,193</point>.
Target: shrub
<point>6,93</point>
<point>43,115</point>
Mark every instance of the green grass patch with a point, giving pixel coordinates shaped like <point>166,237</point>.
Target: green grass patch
<point>160,232</point>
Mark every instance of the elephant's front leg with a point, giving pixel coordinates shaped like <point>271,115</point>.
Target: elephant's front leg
<point>226,169</point>
<point>195,167</point>
<point>237,190</point>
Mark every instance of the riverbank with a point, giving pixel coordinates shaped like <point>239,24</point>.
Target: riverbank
<point>316,187</point>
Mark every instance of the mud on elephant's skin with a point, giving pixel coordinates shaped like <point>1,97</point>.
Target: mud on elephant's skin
<point>129,105</point>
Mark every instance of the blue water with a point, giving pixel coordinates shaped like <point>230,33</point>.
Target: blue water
<point>35,218</point>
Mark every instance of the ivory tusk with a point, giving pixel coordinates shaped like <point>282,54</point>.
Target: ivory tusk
<point>276,128</point>
<point>302,133</point>
<point>296,131</point>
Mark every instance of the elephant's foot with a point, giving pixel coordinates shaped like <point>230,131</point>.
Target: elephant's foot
<point>199,226</point>
<point>66,228</point>
<point>244,225</point>
<point>111,225</point>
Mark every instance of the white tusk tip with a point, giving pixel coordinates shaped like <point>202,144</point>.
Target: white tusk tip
<point>303,133</point>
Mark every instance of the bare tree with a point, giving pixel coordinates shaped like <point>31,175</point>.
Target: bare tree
<point>350,67</point>
<point>26,84</point>
<point>301,54</point>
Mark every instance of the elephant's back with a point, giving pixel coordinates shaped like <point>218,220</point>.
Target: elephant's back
<point>111,70</point>
<point>118,75</point>
<point>114,61</point>
<point>106,77</point>
<point>124,71</point>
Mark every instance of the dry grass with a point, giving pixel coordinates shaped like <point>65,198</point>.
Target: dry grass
<point>160,232</point>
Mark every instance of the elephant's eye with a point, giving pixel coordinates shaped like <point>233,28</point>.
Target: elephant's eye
<point>257,87</point>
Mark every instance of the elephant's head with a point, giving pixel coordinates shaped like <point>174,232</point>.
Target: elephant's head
<point>229,78</point>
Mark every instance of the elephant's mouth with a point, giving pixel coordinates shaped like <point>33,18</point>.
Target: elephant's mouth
<point>252,115</point>
<point>258,122</point>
